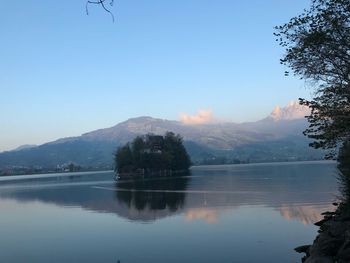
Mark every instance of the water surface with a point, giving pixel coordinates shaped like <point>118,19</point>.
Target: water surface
<point>233,213</point>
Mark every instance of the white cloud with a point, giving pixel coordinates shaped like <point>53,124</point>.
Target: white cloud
<point>202,117</point>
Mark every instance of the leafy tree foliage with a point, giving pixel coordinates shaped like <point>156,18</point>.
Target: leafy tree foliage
<point>124,158</point>
<point>317,44</point>
<point>152,153</point>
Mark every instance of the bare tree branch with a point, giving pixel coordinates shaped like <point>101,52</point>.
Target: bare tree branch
<point>102,4</point>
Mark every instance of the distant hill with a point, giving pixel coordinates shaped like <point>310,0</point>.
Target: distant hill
<point>25,146</point>
<point>278,137</point>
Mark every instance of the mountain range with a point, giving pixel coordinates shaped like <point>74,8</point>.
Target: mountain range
<point>277,137</point>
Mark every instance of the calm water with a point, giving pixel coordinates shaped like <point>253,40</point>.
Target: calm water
<point>242,213</point>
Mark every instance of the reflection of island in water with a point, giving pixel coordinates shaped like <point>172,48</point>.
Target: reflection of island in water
<point>152,198</point>
<point>205,196</point>
<point>157,194</point>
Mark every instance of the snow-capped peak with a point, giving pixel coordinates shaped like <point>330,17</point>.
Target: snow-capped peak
<point>292,111</point>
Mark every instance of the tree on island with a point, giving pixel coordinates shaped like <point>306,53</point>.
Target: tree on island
<point>152,154</point>
<point>317,44</point>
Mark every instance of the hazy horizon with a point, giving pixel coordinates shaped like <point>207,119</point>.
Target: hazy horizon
<point>202,117</point>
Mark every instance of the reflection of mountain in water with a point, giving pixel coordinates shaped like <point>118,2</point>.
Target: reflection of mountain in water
<point>208,215</point>
<point>298,191</point>
<point>307,214</point>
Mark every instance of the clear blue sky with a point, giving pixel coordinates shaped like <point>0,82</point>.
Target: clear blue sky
<point>64,73</point>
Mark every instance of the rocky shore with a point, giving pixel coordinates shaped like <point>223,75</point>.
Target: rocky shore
<point>333,241</point>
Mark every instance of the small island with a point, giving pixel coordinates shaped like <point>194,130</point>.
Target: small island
<point>152,155</point>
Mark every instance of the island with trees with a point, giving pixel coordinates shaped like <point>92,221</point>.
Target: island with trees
<point>152,155</point>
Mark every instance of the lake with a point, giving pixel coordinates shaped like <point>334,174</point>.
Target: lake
<point>229,213</point>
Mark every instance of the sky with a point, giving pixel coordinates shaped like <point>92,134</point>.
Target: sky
<point>64,73</point>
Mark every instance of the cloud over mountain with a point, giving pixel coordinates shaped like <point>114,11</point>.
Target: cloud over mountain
<point>202,117</point>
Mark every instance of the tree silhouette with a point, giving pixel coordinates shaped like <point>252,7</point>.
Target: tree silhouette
<point>317,45</point>
<point>152,153</point>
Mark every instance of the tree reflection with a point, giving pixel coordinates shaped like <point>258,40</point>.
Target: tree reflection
<point>155,193</point>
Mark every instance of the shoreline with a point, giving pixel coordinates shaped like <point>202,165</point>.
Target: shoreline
<point>332,244</point>
<point>53,173</point>
<point>49,175</point>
